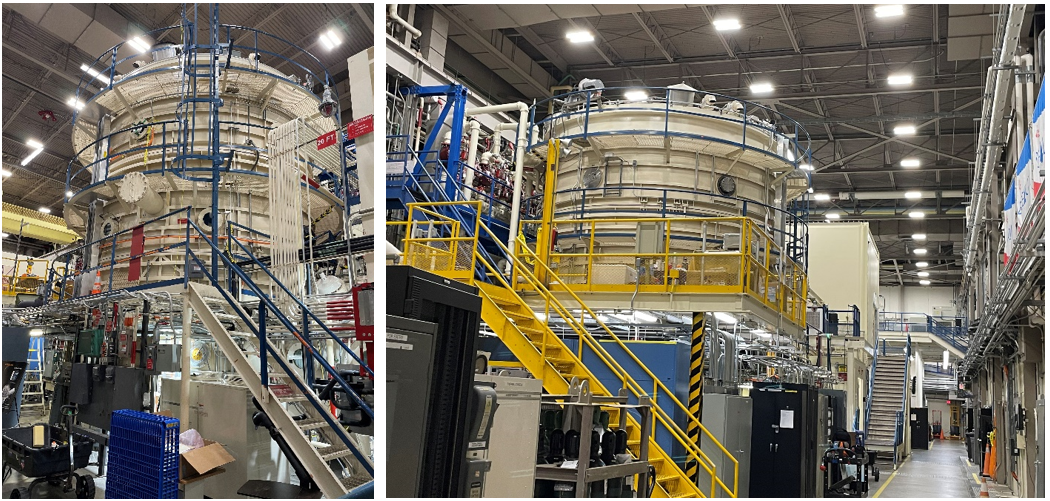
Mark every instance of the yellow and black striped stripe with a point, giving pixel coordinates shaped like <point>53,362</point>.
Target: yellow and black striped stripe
<point>696,386</point>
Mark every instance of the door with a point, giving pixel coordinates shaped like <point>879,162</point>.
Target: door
<point>789,448</point>
<point>763,438</point>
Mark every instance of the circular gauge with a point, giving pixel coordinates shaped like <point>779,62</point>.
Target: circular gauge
<point>726,185</point>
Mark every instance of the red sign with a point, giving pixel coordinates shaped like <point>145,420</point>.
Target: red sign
<point>183,220</point>
<point>326,140</point>
<point>359,127</point>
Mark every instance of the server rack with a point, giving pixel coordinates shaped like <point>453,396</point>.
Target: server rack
<point>784,429</point>
<point>434,444</point>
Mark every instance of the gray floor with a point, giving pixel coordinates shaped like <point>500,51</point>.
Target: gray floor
<point>941,472</point>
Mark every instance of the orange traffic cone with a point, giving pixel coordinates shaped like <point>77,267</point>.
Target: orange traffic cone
<point>98,283</point>
<point>987,460</point>
<point>984,488</point>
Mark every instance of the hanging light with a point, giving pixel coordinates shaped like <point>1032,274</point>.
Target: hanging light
<point>327,106</point>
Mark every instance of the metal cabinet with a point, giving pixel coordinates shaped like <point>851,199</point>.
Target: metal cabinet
<point>783,442</point>
<point>728,418</point>
<point>513,437</point>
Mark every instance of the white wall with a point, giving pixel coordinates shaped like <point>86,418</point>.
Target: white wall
<point>917,299</point>
<point>936,404</point>
<point>916,369</point>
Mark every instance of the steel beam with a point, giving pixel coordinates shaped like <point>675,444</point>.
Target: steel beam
<point>657,35</point>
<point>709,12</point>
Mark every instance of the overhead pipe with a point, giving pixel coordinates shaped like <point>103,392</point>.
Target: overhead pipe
<point>391,13</point>
<point>881,195</point>
<point>519,160</point>
<point>988,146</point>
<point>472,159</point>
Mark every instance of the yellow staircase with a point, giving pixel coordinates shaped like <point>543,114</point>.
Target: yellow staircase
<point>542,352</point>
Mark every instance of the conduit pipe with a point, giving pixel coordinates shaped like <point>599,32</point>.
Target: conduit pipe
<point>472,159</point>
<point>519,159</point>
<point>391,13</point>
<point>988,144</point>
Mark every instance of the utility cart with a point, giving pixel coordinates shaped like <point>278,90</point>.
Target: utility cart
<point>55,462</point>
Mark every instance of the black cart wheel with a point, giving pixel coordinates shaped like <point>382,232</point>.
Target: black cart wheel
<point>20,493</point>
<point>85,487</point>
<point>875,473</point>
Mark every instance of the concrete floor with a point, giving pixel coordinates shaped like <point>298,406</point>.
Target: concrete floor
<point>940,472</point>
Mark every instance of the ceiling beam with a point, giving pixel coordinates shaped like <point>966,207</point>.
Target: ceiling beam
<point>892,118</point>
<point>869,92</point>
<point>43,64</point>
<point>483,41</point>
<point>544,48</point>
<point>365,15</point>
<point>861,29</point>
<point>891,168</point>
<point>600,44</point>
<point>790,27</point>
<point>709,12</point>
<point>657,35</point>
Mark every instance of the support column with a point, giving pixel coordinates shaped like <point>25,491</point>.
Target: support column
<point>187,347</point>
<point>696,386</point>
<point>362,78</point>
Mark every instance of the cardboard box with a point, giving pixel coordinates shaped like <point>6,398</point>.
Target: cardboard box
<point>202,462</point>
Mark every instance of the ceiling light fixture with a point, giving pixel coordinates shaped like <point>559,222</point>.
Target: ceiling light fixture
<point>921,264</point>
<point>904,130</point>
<point>45,210</point>
<point>822,197</point>
<point>37,146</point>
<point>636,95</point>
<point>329,39</point>
<point>889,10</point>
<point>726,24</point>
<point>899,79</point>
<point>95,73</point>
<point>806,166</point>
<point>579,36</point>
<point>75,103</point>
<point>832,215</point>
<point>913,195</point>
<point>920,252</point>
<point>910,162</point>
<point>761,88</point>
<point>919,236</point>
<point>5,173</point>
<point>725,318</point>
<point>139,45</point>
<point>924,282</point>
<point>916,214</point>
<point>924,274</point>
<point>36,332</point>
<point>69,194</point>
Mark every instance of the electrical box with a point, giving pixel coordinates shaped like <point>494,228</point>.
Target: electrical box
<point>169,358</point>
<point>514,429</point>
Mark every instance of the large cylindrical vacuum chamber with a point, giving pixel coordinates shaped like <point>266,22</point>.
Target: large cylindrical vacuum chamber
<point>129,138</point>
<point>679,153</point>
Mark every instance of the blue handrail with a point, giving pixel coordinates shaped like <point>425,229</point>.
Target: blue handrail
<point>871,384</point>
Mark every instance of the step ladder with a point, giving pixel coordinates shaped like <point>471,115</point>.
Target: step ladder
<point>544,354</point>
<point>323,446</point>
<point>33,382</point>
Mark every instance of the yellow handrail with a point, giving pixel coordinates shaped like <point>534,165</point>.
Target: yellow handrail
<point>624,375</point>
<point>658,383</point>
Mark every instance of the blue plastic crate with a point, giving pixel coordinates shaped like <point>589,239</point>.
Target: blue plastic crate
<point>143,456</point>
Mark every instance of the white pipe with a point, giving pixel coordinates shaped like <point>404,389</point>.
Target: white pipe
<point>392,253</point>
<point>472,157</point>
<point>1019,107</point>
<point>391,13</point>
<point>1029,65</point>
<point>987,152</point>
<point>882,195</point>
<point>519,160</point>
<point>187,347</point>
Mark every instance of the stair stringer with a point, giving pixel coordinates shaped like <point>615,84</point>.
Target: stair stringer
<point>327,481</point>
<point>668,474</point>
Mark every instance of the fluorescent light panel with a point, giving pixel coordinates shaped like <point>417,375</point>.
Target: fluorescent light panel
<point>924,274</point>
<point>38,148</point>
<point>904,130</point>
<point>900,79</point>
<point>93,72</point>
<point>69,194</point>
<point>636,95</point>
<point>806,166</point>
<point>924,282</point>
<point>727,24</point>
<point>725,318</point>
<point>920,252</point>
<point>75,103</point>
<point>762,88</point>
<point>329,39</point>
<point>822,197</point>
<point>579,36</point>
<point>921,264</point>
<point>832,215</point>
<point>913,195</point>
<point>919,236</point>
<point>138,44</point>
<point>910,162</point>
<point>889,10</point>
<point>916,214</point>
<point>45,210</point>
<point>6,173</point>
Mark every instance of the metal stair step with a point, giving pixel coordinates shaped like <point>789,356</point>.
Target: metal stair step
<point>312,424</point>
<point>334,452</point>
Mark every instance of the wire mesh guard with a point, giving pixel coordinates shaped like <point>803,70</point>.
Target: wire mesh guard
<point>143,456</point>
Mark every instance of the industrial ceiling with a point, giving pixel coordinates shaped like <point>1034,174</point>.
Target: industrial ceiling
<point>829,66</point>
<point>44,46</point>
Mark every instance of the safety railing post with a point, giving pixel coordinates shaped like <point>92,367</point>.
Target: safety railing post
<point>308,367</point>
